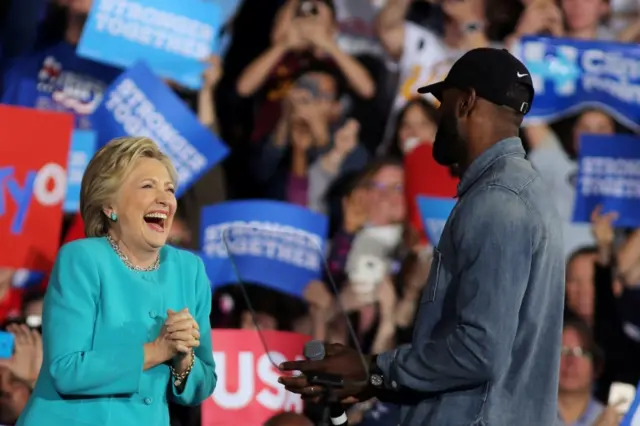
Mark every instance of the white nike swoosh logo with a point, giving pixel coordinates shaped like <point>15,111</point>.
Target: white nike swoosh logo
<point>520,75</point>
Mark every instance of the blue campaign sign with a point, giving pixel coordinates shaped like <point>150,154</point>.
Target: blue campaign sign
<point>24,278</point>
<point>83,146</point>
<point>570,75</point>
<point>275,244</point>
<point>632,417</point>
<point>173,37</point>
<point>228,8</point>
<point>139,104</point>
<point>434,212</point>
<point>609,175</point>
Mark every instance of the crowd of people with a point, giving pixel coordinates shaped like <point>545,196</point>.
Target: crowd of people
<point>317,101</point>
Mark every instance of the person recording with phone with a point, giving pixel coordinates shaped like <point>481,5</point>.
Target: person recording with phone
<point>487,341</point>
<point>20,359</point>
<point>308,149</point>
<point>126,317</point>
<point>303,35</point>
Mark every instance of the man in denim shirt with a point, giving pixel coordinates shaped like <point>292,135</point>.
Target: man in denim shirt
<point>486,346</point>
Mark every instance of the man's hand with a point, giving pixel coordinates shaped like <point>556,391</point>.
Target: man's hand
<point>341,361</point>
<point>27,357</point>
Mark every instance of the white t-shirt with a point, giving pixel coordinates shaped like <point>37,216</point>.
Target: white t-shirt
<point>356,20</point>
<point>425,60</point>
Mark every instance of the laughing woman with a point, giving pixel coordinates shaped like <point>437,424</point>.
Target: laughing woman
<point>126,318</point>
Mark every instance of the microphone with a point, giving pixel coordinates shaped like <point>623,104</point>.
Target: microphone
<point>314,351</point>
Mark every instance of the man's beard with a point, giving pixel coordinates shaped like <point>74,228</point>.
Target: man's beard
<point>448,145</point>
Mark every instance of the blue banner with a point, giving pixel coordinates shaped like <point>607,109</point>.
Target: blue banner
<point>173,37</point>
<point>609,175</point>
<point>83,146</point>
<point>55,79</point>
<point>570,75</point>
<point>26,279</point>
<point>139,104</point>
<point>278,245</point>
<point>228,8</point>
<point>632,417</point>
<point>434,212</point>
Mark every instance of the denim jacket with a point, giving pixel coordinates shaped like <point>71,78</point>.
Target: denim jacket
<point>486,345</point>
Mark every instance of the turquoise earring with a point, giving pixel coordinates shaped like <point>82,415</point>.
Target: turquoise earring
<point>113,216</point>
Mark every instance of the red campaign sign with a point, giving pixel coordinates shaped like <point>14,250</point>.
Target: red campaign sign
<point>248,392</point>
<point>34,149</point>
<point>424,176</point>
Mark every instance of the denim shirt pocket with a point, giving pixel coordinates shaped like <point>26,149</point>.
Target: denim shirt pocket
<point>431,289</point>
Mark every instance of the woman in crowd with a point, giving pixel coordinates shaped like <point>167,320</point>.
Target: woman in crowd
<point>119,337</point>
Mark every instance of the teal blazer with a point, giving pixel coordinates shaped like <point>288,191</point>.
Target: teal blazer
<point>97,316</point>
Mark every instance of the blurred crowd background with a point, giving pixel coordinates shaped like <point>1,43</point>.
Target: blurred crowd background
<point>317,102</point>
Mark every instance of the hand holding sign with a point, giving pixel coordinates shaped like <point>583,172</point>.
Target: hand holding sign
<point>212,74</point>
<point>602,226</point>
<point>27,357</point>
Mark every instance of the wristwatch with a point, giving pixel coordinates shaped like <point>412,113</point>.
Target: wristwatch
<point>376,377</point>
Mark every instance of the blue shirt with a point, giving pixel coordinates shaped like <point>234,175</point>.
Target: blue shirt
<point>97,316</point>
<point>588,418</point>
<point>486,345</point>
<point>57,79</point>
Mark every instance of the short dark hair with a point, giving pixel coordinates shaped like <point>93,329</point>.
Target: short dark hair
<point>582,251</point>
<point>326,68</point>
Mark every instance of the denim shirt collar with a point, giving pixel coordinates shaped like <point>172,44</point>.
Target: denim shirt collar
<point>508,146</point>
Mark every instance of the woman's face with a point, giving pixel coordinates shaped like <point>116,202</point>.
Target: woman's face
<point>592,123</point>
<point>583,15</point>
<point>416,125</point>
<point>386,197</point>
<point>145,205</point>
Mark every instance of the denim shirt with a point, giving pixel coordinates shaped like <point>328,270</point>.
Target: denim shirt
<point>486,345</point>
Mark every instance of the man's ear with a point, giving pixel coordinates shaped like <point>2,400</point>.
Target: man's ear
<point>468,102</point>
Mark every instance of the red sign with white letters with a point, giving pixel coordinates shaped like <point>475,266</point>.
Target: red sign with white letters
<point>248,392</point>
<point>34,149</point>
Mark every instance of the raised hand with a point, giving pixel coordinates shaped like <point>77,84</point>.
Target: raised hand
<point>346,137</point>
<point>213,73</point>
<point>602,226</point>
<point>27,357</point>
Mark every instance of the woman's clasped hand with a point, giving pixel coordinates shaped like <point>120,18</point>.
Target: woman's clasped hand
<point>180,334</point>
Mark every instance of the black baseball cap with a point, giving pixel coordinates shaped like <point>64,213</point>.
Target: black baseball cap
<point>492,73</point>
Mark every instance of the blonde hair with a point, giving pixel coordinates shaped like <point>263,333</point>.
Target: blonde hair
<point>105,173</point>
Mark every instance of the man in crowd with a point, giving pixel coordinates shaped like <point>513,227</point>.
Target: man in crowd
<point>486,347</point>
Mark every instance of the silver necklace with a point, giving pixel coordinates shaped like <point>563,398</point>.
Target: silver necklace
<point>126,260</point>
